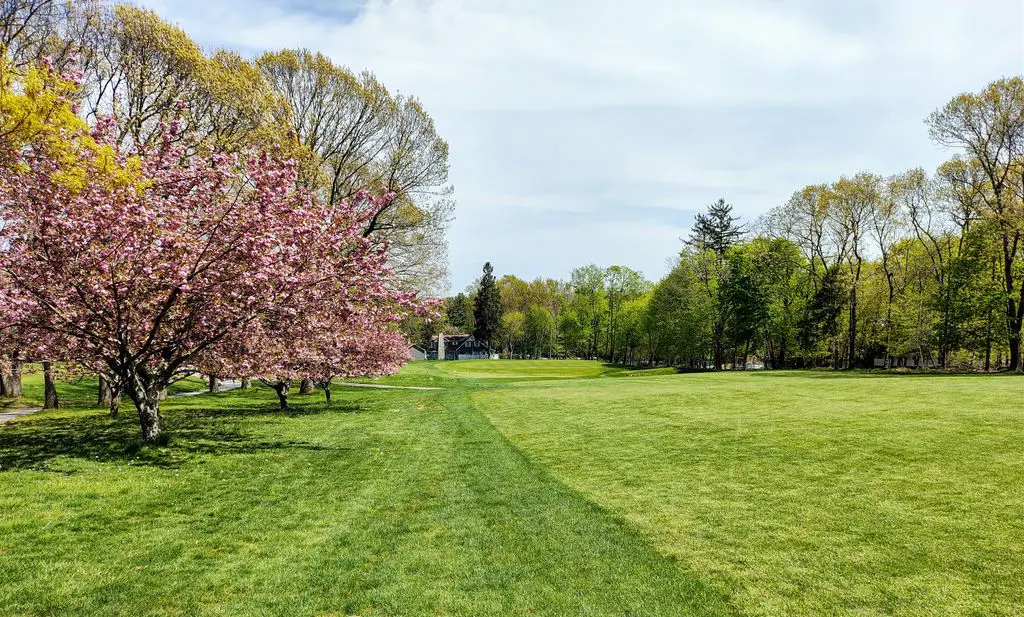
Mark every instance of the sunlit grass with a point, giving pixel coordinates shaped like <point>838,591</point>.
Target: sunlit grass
<point>526,488</point>
<point>389,502</point>
<point>801,493</point>
<point>83,392</point>
<point>532,370</point>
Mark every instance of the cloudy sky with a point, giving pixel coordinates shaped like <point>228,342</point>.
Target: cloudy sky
<point>590,131</point>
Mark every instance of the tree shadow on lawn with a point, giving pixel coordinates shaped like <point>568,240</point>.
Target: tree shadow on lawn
<point>865,373</point>
<point>36,444</point>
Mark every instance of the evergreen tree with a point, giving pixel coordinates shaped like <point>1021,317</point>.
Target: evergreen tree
<point>716,230</point>
<point>457,313</point>
<point>821,319</point>
<point>713,233</point>
<point>487,309</point>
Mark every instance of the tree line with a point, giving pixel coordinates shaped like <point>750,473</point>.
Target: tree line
<point>910,269</point>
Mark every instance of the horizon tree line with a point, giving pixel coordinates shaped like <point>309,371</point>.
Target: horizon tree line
<point>864,271</point>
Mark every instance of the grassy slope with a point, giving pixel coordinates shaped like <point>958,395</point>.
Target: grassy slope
<point>490,372</point>
<point>390,503</point>
<point>801,493</point>
<point>788,493</point>
<point>530,370</point>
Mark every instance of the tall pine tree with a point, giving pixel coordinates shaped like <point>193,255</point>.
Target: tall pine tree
<point>716,230</point>
<point>487,308</point>
<point>712,234</point>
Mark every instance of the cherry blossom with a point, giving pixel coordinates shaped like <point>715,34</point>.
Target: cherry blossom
<point>149,265</point>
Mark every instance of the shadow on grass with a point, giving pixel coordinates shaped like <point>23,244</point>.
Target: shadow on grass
<point>621,370</point>
<point>866,373</point>
<point>37,443</point>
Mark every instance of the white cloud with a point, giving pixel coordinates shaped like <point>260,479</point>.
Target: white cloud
<point>572,105</point>
<point>539,54</point>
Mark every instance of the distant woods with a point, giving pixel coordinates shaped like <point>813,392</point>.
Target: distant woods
<point>910,269</point>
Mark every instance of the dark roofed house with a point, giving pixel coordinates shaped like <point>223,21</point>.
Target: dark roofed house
<point>457,347</point>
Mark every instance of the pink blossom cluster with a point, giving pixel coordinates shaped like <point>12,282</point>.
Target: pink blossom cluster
<point>152,264</point>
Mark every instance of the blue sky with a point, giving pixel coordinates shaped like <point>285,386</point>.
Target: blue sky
<point>590,131</point>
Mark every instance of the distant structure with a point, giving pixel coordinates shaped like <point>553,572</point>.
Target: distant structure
<point>417,352</point>
<point>457,347</point>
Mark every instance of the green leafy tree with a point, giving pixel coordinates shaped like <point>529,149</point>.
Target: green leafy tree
<point>989,127</point>
<point>512,332</point>
<point>538,331</point>
<point>632,335</point>
<point>783,273</point>
<point>851,204</point>
<point>622,284</point>
<point>744,295</point>
<point>356,134</point>
<point>515,293</point>
<point>590,304</point>
<point>459,311</point>
<point>573,331</point>
<point>819,326</point>
<point>712,270</point>
<point>680,315</point>
<point>713,233</point>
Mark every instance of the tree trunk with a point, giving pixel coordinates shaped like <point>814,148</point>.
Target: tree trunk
<point>115,402</point>
<point>103,395</point>
<point>281,387</point>
<point>988,344</point>
<point>1013,316</point>
<point>326,387</point>
<point>14,389</point>
<point>149,417</point>
<point>50,400</point>
<point>213,384</point>
<point>306,386</point>
<point>1016,324</point>
<point>145,395</point>
<point>718,335</point>
<point>5,379</point>
<point>852,346</point>
<point>1014,352</point>
<point>246,383</point>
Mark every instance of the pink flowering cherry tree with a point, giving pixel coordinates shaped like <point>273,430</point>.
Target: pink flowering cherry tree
<point>344,332</point>
<point>152,264</point>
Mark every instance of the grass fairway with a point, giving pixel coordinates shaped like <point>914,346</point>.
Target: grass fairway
<point>519,370</point>
<point>390,503</point>
<point>527,488</point>
<point>800,493</point>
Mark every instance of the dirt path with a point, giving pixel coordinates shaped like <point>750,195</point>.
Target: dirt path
<point>16,412</point>
<point>222,386</point>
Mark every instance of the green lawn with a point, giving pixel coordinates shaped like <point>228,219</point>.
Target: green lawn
<point>532,370</point>
<point>82,392</point>
<point>800,493</point>
<point>527,488</point>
